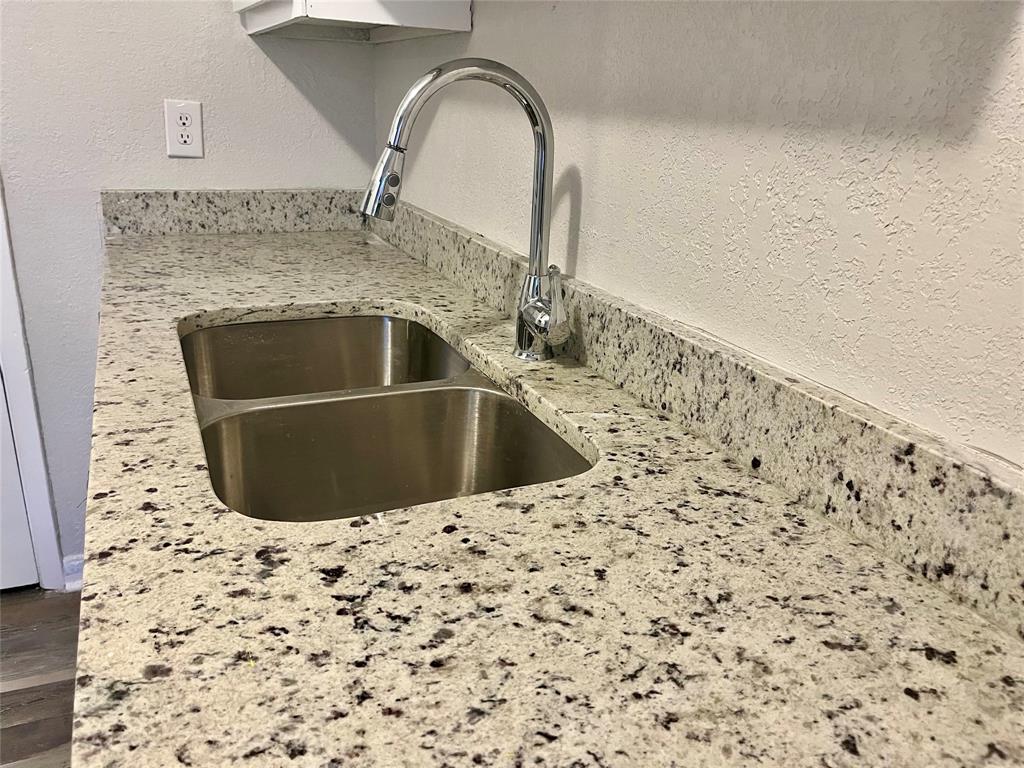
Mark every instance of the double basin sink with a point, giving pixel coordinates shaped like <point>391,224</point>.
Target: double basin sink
<point>337,417</point>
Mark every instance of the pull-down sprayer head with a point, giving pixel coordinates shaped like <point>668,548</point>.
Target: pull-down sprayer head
<point>382,191</point>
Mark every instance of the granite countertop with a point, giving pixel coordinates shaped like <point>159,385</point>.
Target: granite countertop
<point>664,608</point>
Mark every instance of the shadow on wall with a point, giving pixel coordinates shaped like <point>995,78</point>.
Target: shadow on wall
<point>873,66</point>
<point>328,92</point>
<point>570,185</point>
<point>448,47</point>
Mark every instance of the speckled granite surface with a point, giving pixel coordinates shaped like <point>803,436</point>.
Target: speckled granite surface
<point>955,519</point>
<point>664,608</point>
<point>218,211</point>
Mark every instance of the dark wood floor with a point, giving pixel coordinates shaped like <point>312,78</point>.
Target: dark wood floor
<point>38,637</point>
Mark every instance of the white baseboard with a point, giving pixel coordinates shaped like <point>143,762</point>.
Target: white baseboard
<point>73,573</point>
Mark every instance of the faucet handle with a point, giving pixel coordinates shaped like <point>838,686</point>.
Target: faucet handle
<point>558,320</point>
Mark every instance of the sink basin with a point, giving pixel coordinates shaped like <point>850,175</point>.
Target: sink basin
<point>338,417</point>
<point>290,357</point>
<point>362,454</point>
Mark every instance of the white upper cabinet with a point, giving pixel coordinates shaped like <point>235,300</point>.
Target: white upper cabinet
<point>363,21</point>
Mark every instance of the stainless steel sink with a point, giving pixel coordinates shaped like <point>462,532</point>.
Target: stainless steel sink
<point>358,455</point>
<point>291,357</point>
<point>366,414</point>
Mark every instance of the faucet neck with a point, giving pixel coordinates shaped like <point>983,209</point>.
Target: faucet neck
<point>540,123</point>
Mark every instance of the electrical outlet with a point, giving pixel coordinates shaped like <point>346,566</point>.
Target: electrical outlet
<point>183,121</point>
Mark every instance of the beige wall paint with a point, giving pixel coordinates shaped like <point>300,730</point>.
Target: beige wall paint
<point>835,187</point>
<point>81,98</point>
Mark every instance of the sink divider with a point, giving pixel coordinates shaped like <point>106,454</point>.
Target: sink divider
<point>212,409</point>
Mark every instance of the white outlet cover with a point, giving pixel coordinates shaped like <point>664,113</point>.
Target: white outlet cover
<point>183,123</point>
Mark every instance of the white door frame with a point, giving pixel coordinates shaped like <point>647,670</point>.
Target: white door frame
<point>28,438</point>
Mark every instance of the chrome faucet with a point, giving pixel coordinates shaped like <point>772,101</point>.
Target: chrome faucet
<point>541,318</point>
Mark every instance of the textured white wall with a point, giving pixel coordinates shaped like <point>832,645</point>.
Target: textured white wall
<point>82,94</point>
<point>836,187</point>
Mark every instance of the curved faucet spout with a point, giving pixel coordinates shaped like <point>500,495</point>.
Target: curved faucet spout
<point>540,122</point>
<point>385,184</point>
